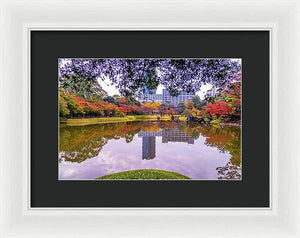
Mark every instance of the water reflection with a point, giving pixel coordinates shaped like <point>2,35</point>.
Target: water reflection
<point>199,152</point>
<point>149,147</point>
<point>168,135</point>
<point>176,135</point>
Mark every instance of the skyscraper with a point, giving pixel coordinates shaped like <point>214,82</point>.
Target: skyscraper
<point>149,95</point>
<point>182,97</point>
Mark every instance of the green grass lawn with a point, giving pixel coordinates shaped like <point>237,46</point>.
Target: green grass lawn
<point>145,174</point>
<point>100,120</point>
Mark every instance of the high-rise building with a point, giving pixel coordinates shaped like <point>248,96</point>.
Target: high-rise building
<point>150,98</point>
<point>165,97</point>
<point>149,95</point>
<point>182,97</point>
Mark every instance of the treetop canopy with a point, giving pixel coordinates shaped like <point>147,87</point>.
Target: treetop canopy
<point>131,76</point>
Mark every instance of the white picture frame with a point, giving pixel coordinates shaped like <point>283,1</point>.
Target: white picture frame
<point>280,18</point>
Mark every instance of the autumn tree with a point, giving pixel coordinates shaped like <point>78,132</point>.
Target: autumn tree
<point>152,106</point>
<point>63,107</point>
<point>180,108</point>
<point>218,108</point>
<point>189,104</point>
<point>71,104</point>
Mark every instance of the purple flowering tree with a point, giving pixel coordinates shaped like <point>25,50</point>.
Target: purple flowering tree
<point>131,76</point>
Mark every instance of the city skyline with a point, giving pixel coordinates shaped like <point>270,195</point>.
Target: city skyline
<point>112,90</point>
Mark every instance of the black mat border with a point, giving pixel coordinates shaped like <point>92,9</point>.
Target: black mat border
<point>251,46</point>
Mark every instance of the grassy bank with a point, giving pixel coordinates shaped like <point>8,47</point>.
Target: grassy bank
<point>91,121</point>
<point>144,174</point>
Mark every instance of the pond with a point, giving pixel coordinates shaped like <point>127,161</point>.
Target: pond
<point>196,151</point>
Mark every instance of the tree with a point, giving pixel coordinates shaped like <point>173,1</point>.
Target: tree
<point>122,100</point>
<point>110,100</point>
<point>131,76</point>
<point>197,102</point>
<point>196,99</point>
<point>180,108</point>
<point>189,104</point>
<point>63,106</point>
<point>116,97</point>
<point>170,111</point>
<point>195,112</point>
<point>82,87</point>
<point>152,106</point>
<point>71,104</point>
<point>219,108</point>
<point>232,93</point>
<point>228,101</point>
<point>187,112</point>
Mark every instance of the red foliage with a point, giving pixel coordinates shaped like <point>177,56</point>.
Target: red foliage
<point>169,112</point>
<point>102,108</point>
<point>220,107</point>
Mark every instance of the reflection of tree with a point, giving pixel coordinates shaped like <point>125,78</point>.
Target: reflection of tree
<point>191,130</point>
<point>78,143</point>
<point>229,171</point>
<point>225,139</point>
<point>83,142</point>
<point>87,149</point>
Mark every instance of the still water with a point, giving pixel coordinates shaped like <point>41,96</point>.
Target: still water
<point>196,151</point>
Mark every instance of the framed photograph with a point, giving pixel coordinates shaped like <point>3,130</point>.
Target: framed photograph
<point>149,123</point>
<point>184,115</point>
<point>136,119</point>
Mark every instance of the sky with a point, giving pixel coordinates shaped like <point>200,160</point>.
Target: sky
<point>112,90</point>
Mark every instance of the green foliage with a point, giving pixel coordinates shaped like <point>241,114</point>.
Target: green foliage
<point>110,100</point>
<point>196,99</point>
<point>215,121</point>
<point>88,89</point>
<point>189,104</point>
<point>79,143</point>
<point>180,108</point>
<point>63,107</point>
<point>145,174</point>
<point>187,112</point>
<point>119,114</point>
<point>71,104</point>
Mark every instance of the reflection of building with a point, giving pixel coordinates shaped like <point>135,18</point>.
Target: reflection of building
<point>175,135</point>
<point>150,133</point>
<point>148,147</point>
<point>168,135</point>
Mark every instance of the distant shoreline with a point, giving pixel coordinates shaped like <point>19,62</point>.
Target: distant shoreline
<point>104,120</point>
<point>230,124</point>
